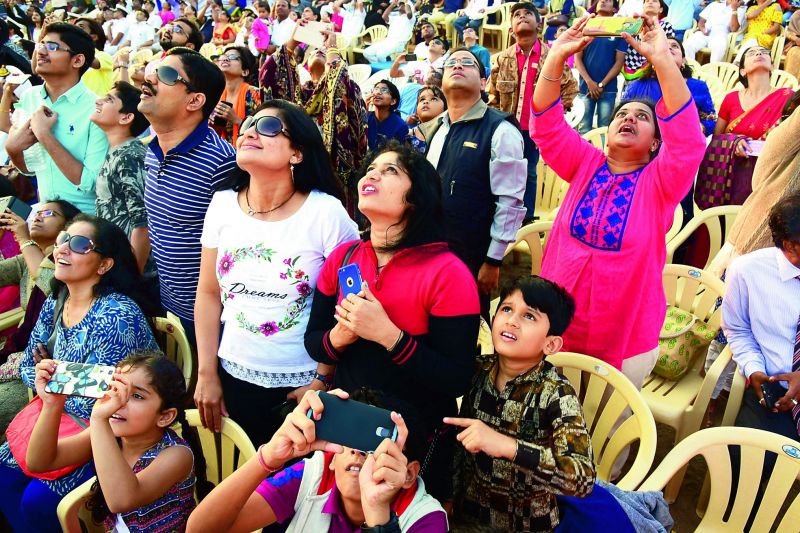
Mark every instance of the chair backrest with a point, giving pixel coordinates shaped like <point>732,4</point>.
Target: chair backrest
<point>776,51</point>
<point>716,89</point>
<point>717,220</point>
<point>72,513</point>
<point>781,79</point>
<point>176,345</point>
<point>713,444</point>
<point>598,137</point>
<point>605,394</point>
<point>726,73</point>
<point>535,236</point>
<point>550,189</point>
<point>359,73</point>
<point>694,290</point>
<point>208,50</point>
<point>374,34</point>
<point>677,222</point>
<point>224,451</point>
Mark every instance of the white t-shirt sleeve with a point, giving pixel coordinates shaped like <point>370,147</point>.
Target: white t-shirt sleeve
<point>214,217</point>
<point>338,227</point>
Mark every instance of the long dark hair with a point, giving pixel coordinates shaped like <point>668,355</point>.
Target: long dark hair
<point>168,382</point>
<point>423,219</point>
<point>394,92</point>
<point>314,171</point>
<point>123,276</point>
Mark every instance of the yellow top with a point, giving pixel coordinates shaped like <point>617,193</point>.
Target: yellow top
<point>763,22</point>
<point>98,80</point>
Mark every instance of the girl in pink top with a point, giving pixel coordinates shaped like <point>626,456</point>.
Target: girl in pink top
<point>607,247</point>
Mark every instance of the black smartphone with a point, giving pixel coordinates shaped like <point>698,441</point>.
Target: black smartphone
<point>16,206</point>
<point>353,424</point>
<point>411,57</point>
<point>772,391</point>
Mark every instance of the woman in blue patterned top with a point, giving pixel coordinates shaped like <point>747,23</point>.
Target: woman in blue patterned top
<point>89,318</point>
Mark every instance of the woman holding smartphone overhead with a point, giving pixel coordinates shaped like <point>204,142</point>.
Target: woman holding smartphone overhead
<point>607,247</point>
<point>89,318</point>
<point>266,235</point>
<point>412,329</point>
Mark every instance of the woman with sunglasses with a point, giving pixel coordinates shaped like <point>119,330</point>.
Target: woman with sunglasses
<point>331,98</point>
<point>266,234</point>
<point>240,99</point>
<point>90,317</point>
<point>32,271</point>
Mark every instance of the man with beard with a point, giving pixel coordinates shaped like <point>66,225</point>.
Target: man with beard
<point>181,32</point>
<point>511,84</point>
<point>186,161</point>
<point>54,138</point>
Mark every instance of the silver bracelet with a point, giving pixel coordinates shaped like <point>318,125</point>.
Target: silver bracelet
<point>399,337</point>
<point>550,79</point>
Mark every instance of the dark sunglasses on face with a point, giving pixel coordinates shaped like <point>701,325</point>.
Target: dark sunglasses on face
<point>77,243</point>
<point>267,126</point>
<point>174,28</point>
<point>228,57</point>
<point>169,76</point>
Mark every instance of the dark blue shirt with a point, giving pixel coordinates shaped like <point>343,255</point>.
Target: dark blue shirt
<point>451,6</point>
<point>598,58</point>
<point>177,192</point>
<point>650,89</point>
<point>379,132</point>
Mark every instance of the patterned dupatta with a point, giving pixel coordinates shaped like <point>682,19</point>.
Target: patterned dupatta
<point>757,122</point>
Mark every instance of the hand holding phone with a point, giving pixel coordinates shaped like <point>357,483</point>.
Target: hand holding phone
<point>350,279</point>
<point>353,424</point>
<point>391,464</point>
<point>44,371</point>
<point>80,379</point>
<point>297,435</point>
<point>612,26</point>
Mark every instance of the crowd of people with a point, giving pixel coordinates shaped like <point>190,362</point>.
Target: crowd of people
<point>205,162</point>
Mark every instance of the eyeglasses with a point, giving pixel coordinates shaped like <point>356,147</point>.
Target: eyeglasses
<point>77,243</point>
<point>169,76</point>
<point>228,57</point>
<point>174,28</point>
<point>439,41</point>
<point>47,213</point>
<point>381,90</point>
<point>754,51</point>
<point>50,46</point>
<point>464,62</point>
<point>267,126</point>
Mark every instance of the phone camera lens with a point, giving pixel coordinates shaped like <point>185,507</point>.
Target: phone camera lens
<point>350,282</point>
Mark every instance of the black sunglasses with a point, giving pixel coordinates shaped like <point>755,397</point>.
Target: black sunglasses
<point>169,76</point>
<point>77,243</point>
<point>267,126</point>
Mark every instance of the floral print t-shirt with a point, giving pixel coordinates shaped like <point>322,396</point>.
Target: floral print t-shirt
<point>267,272</point>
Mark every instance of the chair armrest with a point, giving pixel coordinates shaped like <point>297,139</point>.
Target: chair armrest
<point>11,318</point>
<point>694,418</point>
<point>70,505</point>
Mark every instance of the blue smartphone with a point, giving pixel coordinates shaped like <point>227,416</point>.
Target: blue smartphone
<point>350,279</point>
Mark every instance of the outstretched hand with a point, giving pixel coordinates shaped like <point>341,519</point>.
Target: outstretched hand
<point>573,40</point>
<point>652,42</point>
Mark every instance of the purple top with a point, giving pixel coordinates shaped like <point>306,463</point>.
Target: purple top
<point>280,492</point>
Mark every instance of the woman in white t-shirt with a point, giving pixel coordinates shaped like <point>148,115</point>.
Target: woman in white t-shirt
<point>266,235</point>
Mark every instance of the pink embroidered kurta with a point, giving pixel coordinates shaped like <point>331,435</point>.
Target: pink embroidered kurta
<point>607,246</point>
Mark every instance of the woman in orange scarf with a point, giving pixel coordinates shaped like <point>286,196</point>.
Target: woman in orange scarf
<point>239,100</point>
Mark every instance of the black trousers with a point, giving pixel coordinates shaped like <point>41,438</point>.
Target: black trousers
<point>257,409</point>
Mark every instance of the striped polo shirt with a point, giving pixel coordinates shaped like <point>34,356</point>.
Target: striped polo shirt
<point>177,192</point>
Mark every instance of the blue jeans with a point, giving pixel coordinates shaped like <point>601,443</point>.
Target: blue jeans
<point>531,152</point>
<point>463,22</point>
<point>27,503</point>
<point>604,107</point>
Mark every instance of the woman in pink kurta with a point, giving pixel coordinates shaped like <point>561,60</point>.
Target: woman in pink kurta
<point>607,246</point>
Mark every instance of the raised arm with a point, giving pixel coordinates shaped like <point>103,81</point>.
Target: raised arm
<point>653,45</point>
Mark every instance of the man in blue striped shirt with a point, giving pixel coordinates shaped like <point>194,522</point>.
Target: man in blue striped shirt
<point>186,160</point>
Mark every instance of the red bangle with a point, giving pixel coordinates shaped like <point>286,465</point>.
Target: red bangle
<point>264,463</point>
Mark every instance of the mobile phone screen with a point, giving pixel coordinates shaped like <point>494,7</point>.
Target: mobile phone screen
<point>350,279</point>
<point>411,57</point>
<point>612,26</point>
<point>80,379</point>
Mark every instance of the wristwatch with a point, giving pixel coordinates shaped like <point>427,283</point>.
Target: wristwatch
<point>326,380</point>
<point>392,526</point>
<point>601,85</point>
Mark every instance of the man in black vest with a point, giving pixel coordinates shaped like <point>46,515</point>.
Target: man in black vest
<point>478,152</point>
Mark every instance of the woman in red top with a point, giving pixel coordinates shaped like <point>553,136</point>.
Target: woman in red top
<point>224,32</point>
<point>751,112</point>
<point>412,330</point>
